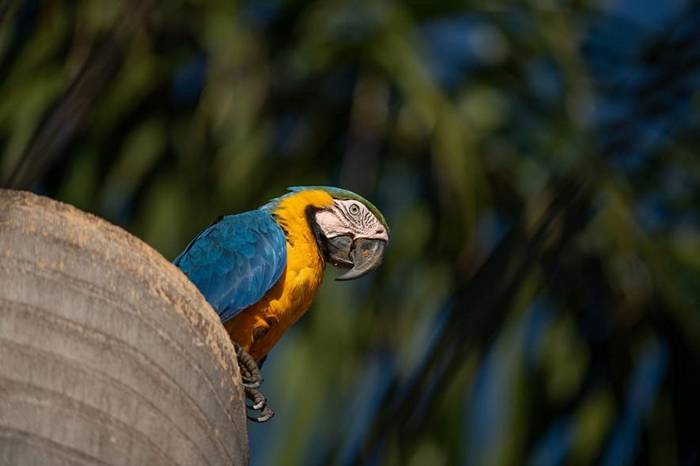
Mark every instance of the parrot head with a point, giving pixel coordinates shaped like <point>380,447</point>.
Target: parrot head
<point>351,232</point>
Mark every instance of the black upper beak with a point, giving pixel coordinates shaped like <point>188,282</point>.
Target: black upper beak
<point>363,254</point>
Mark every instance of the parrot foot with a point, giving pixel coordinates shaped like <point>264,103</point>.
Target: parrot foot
<point>251,378</point>
<point>250,372</point>
<point>259,404</point>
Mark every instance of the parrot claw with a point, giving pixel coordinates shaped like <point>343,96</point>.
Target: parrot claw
<point>258,407</point>
<point>266,415</point>
<point>259,404</point>
<point>257,398</point>
<point>251,379</point>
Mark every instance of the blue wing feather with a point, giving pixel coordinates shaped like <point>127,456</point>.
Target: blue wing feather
<point>236,260</point>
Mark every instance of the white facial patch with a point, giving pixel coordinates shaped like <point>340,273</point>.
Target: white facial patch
<point>350,217</point>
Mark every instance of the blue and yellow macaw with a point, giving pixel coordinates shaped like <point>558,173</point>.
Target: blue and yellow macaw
<point>260,269</point>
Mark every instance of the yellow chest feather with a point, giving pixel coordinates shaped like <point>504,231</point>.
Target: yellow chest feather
<point>261,325</point>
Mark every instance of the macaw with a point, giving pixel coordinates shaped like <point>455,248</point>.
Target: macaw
<point>260,269</point>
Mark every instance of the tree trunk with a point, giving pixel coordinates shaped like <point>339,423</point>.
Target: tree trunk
<point>108,354</point>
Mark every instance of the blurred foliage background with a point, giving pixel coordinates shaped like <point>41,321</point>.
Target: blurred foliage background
<point>537,162</point>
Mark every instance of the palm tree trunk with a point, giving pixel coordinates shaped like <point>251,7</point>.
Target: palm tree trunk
<point>108,354</point>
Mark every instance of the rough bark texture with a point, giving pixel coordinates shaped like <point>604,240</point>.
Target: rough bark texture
<point>108,354</point>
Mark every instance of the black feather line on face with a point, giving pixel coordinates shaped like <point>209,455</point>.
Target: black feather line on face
<point>310,213</point>
<point>367,219</point>
<point>348,216</point>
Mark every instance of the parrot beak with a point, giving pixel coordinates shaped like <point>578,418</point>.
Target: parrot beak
<point>362,254</point>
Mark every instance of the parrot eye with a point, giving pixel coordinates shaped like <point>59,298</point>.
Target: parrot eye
<point>354,209</point>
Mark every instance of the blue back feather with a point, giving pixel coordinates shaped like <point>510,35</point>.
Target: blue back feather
<point>236,260</point>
